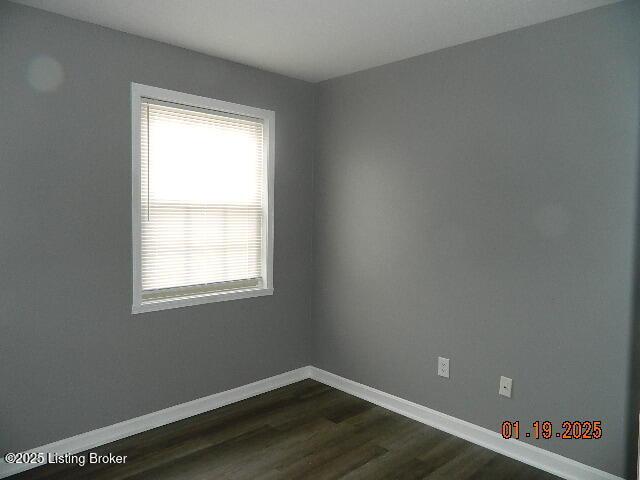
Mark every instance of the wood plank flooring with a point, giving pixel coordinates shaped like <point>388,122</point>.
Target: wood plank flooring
<point>304,431</point>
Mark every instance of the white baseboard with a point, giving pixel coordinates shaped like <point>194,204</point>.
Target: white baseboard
<point>534,456</point>
<point>537,457</point>
<point>111,433</point>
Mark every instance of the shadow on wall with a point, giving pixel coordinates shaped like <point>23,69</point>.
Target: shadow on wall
<point>634,384</point>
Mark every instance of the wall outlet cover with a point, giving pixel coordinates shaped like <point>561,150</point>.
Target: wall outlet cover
<point>505,387</point>
<point>443,367</point>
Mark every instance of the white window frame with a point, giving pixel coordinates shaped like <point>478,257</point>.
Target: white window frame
<point>140,92</point>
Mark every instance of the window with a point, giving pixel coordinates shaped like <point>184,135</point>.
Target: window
<point>202,199</point>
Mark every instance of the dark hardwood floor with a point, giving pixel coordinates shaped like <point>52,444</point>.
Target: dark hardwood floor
<point>303,431</point>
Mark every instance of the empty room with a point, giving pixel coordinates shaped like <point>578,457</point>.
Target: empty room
<point>305,239</point>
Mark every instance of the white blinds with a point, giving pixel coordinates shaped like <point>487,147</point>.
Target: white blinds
<point>202,201</point>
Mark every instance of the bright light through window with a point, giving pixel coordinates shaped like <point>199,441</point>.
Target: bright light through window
<point>203,196</point>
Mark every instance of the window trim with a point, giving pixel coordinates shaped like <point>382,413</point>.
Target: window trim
<point>138,92</point>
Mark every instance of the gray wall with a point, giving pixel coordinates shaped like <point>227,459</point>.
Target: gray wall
<point>478,203</point>
<point>72,357</point>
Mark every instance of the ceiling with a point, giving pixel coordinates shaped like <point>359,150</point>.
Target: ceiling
<point>315,40</point>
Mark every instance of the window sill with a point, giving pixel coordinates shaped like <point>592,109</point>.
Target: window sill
<point>166,304</point>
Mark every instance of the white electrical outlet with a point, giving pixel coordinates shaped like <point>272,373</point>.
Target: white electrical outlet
<point>505,387</point>
<point>443,367</point>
